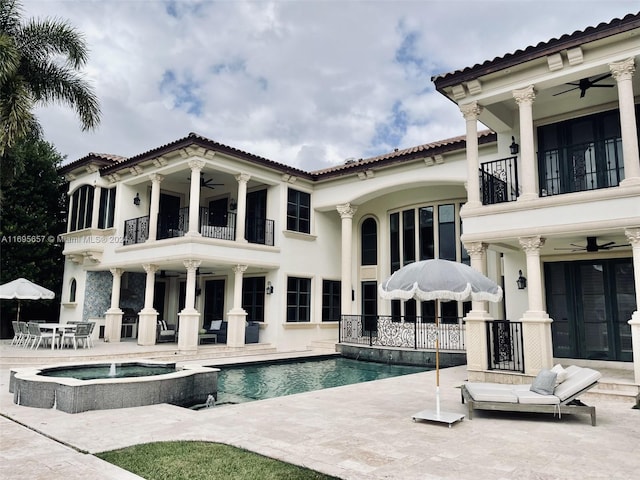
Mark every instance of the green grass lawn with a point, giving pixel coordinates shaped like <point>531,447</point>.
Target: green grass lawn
<point>204,461</point>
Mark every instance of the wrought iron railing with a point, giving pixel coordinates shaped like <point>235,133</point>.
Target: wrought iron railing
<point>173,224</point>
<point>580,167</point>
<point>388,331</point>
<point>504,346</point>
<point>136,230</point>
<point>260,230</point>
<point>499,181</point>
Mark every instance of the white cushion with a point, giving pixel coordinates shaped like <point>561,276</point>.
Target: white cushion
<point>562,374</point>
<point>576,382</point>
<point>492,392</point>
<point>215,325</point>
<point>527,396</point>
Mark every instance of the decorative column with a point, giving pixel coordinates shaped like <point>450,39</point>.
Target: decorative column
<point>346,211</point>
<point>529,173</point>
<point>113,316</point>
<point>95,212</point>
<point>471,112</point>
<point>237,316</point>
<point>475,321</point>
<point>241,212</point>
<point>194,198</point>
<point>148,316</point>
<point>623,72</point>
<point>154,209</point>
<point>633,234</point>
<point>189,318</point>
<point>536,324</point>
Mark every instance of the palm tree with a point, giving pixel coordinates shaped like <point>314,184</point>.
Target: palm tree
<point>40,63</point>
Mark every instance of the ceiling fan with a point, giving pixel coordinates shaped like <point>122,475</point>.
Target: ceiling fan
<point>592,246</point>
<point>586,83</point>
<point>164,274</point>
<point>207,183</point>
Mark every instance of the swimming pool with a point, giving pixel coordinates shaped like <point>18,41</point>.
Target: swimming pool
<point>246,383</point>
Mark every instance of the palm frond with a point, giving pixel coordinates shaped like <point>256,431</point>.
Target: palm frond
<point>43,38</point>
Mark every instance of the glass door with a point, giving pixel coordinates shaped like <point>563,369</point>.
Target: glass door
<point>213,301</point>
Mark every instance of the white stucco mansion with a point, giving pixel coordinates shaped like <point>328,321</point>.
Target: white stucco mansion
<point>195,231</point>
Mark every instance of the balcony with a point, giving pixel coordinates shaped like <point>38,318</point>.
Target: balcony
<point>499,181</point>
<point>218,225</point>
<point>581,167</point>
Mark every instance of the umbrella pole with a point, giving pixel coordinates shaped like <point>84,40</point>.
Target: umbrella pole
<point>437,358</point>
<point>18,314</point>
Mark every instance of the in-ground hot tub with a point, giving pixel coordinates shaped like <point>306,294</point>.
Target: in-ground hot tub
<point>155,382</point>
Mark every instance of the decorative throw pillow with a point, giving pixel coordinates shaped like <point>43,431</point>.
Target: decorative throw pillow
<point>215,325</point>
<point>561,372</point>
<point>544,383</point>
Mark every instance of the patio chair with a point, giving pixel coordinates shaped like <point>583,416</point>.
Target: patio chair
<point>81,334</point>
<point>165,332</point>
<point>550,392</point>
<point>37,336</point>
<point>17,333</point>
<point>25,335</point>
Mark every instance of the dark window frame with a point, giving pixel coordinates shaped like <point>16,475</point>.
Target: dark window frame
<point>298,300</point>
<point>298,211</point>
<point>331,300</point>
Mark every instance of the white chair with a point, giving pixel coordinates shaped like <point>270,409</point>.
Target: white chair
<point>81,334</point>
<point>37,336</point>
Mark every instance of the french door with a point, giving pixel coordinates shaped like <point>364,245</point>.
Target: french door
<point>590,303</point>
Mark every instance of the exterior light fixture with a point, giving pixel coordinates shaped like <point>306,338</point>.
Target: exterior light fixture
<point>269,289</point>
<point>521,281</point>
<point>136,200</point>
<point>233,204</point>
<point>514,147</point>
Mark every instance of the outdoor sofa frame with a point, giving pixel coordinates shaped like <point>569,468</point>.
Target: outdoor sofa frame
<point>519,398</point>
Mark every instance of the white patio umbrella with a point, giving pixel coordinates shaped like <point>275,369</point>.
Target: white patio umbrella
<point>23,289</point>
<point>439,280</point>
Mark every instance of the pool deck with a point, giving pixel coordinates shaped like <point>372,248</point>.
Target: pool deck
<point>362,431</point>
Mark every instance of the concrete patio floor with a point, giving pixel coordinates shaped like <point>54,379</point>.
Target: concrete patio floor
<point>362,431</point>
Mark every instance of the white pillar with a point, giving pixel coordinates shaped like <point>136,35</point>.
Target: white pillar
<point>95,212</point>
<point>148,316</point>
<point>194,198</point>
<point>154,209</point>
<point>471,112</point>
<point>189,318</point>
<point>529,172</point>
<point>475,321</point>
<point>623,72</point>
<point>113,316</point>
<point>241,212</point>
<point>536,324</point>
<point>237,316</point>
<point>346,211</point>
<point>633,234</point>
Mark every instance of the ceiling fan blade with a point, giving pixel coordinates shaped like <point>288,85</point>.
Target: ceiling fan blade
<point>566,91</point>
<point>582,92</point>
<point>601,77</point>
<point>602,86</point>
<point>618,246</point>
<point>606,246</point>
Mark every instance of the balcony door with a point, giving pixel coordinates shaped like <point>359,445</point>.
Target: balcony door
<point>170,223</point>
<point>255,230</point>
<point>590,303</point>
<point>213,301</point>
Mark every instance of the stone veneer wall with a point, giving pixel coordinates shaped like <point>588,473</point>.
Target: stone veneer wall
<point>97,297</point>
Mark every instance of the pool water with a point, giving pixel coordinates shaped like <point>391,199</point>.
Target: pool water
<point>246,383</point>
<point>92,372</point>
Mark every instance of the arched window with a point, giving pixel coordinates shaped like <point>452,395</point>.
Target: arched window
<point>369,242</point>
<point>81,208</point>
<point>72,290</point>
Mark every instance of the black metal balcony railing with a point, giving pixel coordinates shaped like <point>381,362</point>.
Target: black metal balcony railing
<point>499,181</point>
<point>388,331</point>
<point>217,225</point>
<point>581,167</point>
<point>504,346</point>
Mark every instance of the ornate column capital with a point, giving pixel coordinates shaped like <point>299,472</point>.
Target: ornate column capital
<point>346,210</point>
<point>470,111</point>
<point>475,248</point>
<point>191,264</point>
<point>150,268</point>
<point>525,96</point>
<point>156,177</point>
<point>623,70</point>
<point>116,272</point>
<point>633,235</point>
<point>196,164</point>
<point>531,244</point>
<point>239,268</point>
<point>243,177</point>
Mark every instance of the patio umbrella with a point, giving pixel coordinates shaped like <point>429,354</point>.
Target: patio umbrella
<point>23,289</point>
<point>439,280</point>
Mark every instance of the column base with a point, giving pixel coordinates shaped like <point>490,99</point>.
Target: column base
<point>528,196</point>
<point>147,326</point>
<point>237,320</point>
<point>188,331</point>
<point>536,342</point>
<point>113,325</point>
<point>635,342</point>
<point>630,182</point>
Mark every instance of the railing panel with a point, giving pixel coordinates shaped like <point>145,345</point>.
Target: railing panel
<point>505,346</point>
<point>136,230</point>
<point>387,331</point>
<point>499,181</point>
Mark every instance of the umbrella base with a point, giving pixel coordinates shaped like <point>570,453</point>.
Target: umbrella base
<point>442,417</point>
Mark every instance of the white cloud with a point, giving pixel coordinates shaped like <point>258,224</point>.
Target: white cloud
<point>306,83</point>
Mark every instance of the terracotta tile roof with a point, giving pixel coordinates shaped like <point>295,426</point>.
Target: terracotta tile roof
<point>589,34</point>
<point>103,159</point>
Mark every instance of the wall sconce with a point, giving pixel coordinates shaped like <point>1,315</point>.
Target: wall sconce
<point>521,281</point>
<point>269,289</point>
<point>233,204</point>
<point>136,200</point>
<point>514,147</point>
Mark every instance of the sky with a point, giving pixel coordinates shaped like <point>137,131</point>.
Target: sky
<point>307,83</point>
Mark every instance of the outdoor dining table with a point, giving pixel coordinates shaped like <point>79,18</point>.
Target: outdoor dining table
<point>55,327</point>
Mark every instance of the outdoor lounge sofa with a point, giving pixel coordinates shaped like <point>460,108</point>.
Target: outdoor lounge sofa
<point>567,385</point>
